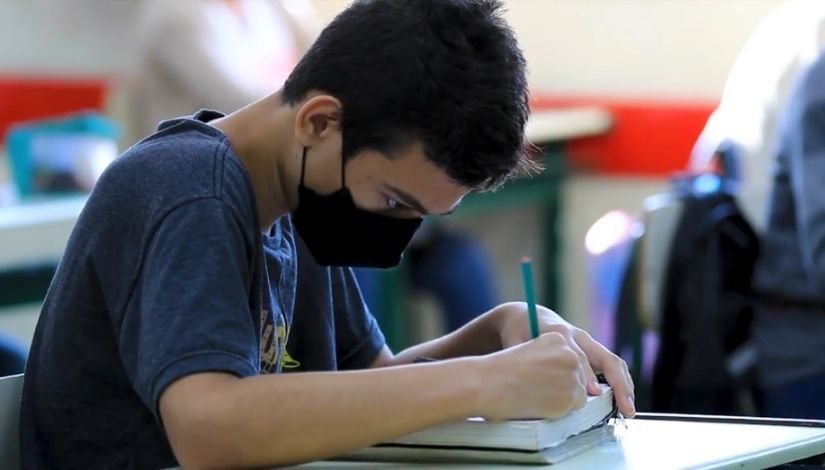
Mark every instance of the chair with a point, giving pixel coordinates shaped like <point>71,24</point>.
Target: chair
<point>11,388</point>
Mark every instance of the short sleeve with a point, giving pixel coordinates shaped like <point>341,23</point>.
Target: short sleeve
<point>357,334</point>
<point>189,311</point>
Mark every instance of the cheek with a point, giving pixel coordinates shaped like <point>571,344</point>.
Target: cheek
<point>366,198</point>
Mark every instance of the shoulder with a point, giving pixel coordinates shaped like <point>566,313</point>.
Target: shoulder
<point>184,154</point>
<point>185,161</point>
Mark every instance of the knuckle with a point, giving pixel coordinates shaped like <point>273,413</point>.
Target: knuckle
<point>619,363</point>
<point>554,338</point>
<point>569,357</point>
<point>557,328</point>
<point>579,333</point>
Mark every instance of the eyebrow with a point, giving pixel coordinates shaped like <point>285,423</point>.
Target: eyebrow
<point>412,202</point>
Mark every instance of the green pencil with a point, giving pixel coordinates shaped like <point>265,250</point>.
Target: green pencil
<point>530,294</point>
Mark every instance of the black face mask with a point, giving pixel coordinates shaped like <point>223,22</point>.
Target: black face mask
<point>339,233</point>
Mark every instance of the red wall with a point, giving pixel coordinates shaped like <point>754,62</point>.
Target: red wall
<point>25,98</point>
<point>649,136</point>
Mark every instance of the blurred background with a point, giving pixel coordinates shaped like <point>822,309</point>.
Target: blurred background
<point>621,91</point>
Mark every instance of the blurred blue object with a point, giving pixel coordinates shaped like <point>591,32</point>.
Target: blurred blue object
<point>12,356</point>
<point>60,155</point>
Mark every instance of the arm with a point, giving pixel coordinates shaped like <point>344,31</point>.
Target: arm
<point>266,420</point>
<point>477,337</point>
<point>216,420</point>
<point>506,326</point>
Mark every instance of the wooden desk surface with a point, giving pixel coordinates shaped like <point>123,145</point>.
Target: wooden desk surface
<point>38,229</point>
<point>672,444</point>
<point>556,125</point>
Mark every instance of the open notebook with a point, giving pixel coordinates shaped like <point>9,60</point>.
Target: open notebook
<point>526,441</point>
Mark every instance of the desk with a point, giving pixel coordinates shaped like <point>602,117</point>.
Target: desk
<point>33,236</point>
<point>549,130</point>
<point>672,443</point>
<point>567,123</point>
<point>37,230</point>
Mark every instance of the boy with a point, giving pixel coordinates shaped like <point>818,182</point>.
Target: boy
<point>206,265</point>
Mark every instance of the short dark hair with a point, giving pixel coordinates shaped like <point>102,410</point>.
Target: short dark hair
<point>447,73</point>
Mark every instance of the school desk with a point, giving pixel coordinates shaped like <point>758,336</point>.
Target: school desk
<point>663,442</point>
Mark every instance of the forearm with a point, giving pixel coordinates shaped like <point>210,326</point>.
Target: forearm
<point>476,338</point>
<point>289,418</point>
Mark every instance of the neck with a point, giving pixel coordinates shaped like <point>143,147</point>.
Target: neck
<point>262,136</point>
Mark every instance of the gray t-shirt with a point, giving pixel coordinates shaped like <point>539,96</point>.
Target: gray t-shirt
<point>167,274</point>
<point>789,331</point>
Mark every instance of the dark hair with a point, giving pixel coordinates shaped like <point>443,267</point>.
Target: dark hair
<point>447,73</point>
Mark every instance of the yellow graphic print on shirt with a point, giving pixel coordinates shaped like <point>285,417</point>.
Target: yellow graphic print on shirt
<point>269,344</point>
<point>274,334</point>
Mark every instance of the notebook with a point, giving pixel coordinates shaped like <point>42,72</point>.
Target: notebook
<point>522,441</point>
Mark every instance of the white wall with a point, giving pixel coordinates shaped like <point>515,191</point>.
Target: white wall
<point>642,47</point>
<point>80,37</point>
<point>680,48</point>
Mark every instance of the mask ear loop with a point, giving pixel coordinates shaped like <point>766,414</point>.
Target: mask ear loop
<point>343,174</point>
<point>303,165</point>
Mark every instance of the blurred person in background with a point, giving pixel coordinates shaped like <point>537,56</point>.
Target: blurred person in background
<point>781,139</point>
<point>217,54</point>
<point>450,266</point>
<point>789,328</point>
<point>756,89</point>
<point>224,54</point>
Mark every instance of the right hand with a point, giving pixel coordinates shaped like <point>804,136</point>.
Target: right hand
<point>542,378</point>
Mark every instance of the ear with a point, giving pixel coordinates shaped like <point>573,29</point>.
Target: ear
<point>317,118</point>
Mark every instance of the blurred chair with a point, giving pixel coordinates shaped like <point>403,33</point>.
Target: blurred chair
<point>11,389</point>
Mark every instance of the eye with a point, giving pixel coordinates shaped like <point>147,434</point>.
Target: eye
<point>392,203</point>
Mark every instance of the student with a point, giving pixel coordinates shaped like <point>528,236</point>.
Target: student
<point>778,197</point>
<point>201,314</point>
<point>789,329</point>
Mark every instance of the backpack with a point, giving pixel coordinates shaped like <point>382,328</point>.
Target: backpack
<point>688,278</point>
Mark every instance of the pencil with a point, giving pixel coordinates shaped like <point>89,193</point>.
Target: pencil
<point>530,295</point>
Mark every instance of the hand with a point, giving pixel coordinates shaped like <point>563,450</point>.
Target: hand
<point>543,378</point>
<point>513,325</point>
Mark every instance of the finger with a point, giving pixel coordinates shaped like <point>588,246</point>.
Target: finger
<point>622,385</point>
<point>614,370</point>
<point>591,383</point>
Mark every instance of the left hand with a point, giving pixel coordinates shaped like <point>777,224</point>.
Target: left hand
<point>513,325</point>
